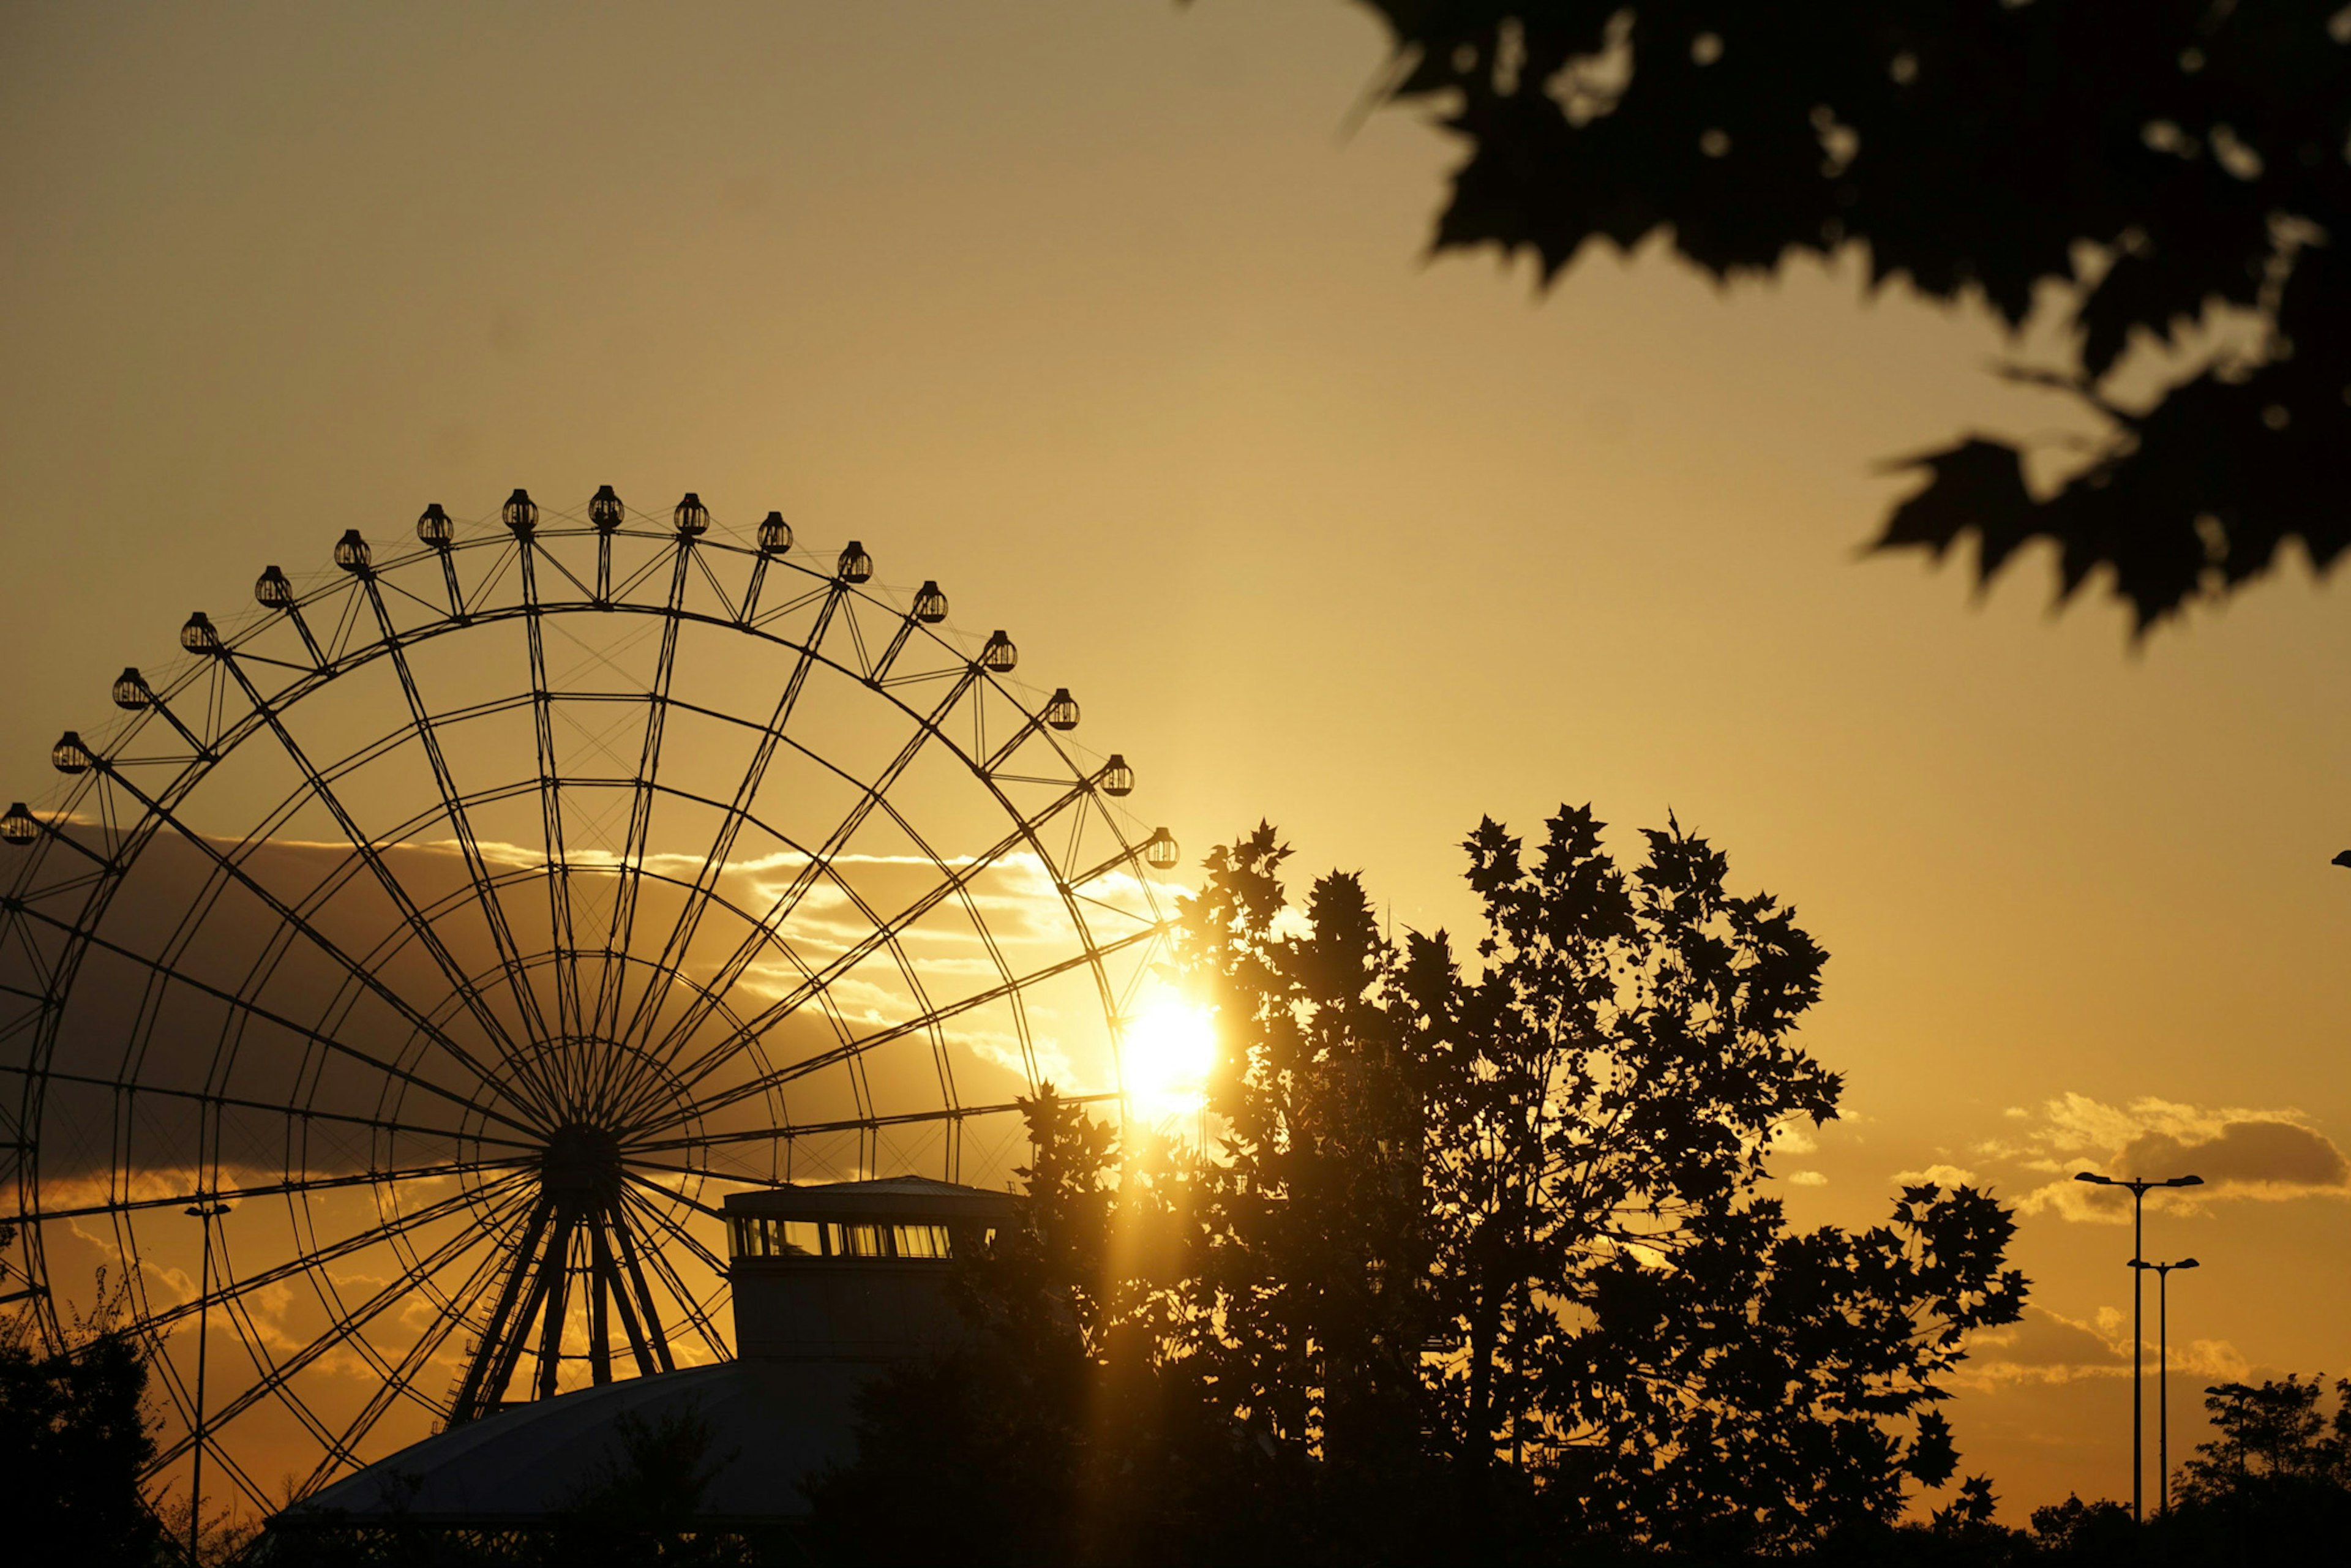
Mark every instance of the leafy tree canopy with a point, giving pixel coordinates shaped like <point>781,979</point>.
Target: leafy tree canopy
<point>2169,165</point>
<point>1484,1263</point>
<point>74,1436</point>
<point>2274,1432</point>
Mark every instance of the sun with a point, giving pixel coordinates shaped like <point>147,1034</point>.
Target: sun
<point>1170,1050</point>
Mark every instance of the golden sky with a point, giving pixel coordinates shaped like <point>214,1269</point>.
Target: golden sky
<point>1112,318</point>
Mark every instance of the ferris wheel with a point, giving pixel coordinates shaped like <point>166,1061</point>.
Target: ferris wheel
<point>389,999</point>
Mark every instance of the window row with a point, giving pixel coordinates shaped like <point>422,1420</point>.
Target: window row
<point>758,1238</point>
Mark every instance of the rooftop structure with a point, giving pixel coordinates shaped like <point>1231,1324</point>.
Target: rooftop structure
<point>830,1282</point>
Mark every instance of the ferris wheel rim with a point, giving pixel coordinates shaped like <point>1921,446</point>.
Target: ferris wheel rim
<point>160,810</point>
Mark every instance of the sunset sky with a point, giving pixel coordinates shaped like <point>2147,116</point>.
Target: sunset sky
<point>1116,320</point>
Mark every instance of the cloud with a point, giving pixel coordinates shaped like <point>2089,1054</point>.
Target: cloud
<point>2243,1155</point>
<point>1807,1178</point>
<point>2270,1153</point>
<point>1938,1175</point>
<point>2043,1346</point>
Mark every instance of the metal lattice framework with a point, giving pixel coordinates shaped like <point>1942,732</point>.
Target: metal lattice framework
<point>389,999</point>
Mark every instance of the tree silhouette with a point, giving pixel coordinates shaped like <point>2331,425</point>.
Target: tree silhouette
<point>1060,1431</point>
<point>2273,1432</point>
<point>1528,1197</point>
<point>1482,1264</point>
<point>74,1436</point>
<point>2172,167</point>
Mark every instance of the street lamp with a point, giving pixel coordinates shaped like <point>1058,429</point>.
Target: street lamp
<point>207,1213</point>
<point>2138,1190</point>
<point>2163,1374</point>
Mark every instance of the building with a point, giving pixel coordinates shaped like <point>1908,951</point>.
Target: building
<point>830,1282</point>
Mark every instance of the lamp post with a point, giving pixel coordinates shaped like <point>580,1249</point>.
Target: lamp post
<point>206,1213</point>
<point>2163,1374</point>
<point>2138,1191</point>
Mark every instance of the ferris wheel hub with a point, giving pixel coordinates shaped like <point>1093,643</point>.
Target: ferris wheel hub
<point>582,1163</point>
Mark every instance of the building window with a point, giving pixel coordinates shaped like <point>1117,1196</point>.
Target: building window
<point>861,1240</point>
<point>753,1237</point>
<point>922,1240</point>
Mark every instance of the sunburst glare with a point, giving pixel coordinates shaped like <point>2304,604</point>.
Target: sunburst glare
<point>1170,1048</point>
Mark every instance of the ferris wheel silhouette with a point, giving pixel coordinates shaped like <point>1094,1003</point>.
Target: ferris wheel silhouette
<point>390,999</point>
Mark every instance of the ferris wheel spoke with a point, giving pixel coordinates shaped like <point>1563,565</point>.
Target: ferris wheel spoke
<point>452,803</point>
<point>679,1291</point>
<point>693,1243</point>
<point>325,945</point>
<point>239,1309</point>
<point>281,1373</point>
<point>291,1112</point>
<point>673,1194</point>
<point>952,884</point>
<point>279,1020</point>
<point>279,1188</point>
<point>320,1257</point>
<point>544,1304</point>
<point>550,804</point>
<point>609,997</point>
<point>279,1380</point>
<point>714,861</point>
<point>427,935</point>
<point>791,1130</point>
<point>623,1091</point>
<point>696,1013</point>
<point>399,1379</point>
<point>848,1050</point>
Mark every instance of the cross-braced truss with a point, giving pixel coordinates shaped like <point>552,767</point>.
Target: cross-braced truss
<point>387,1000</point>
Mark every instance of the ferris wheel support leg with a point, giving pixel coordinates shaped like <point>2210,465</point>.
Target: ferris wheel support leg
<point>654,1336</point>
<point>472,1399</point>
<point>509,1353</point>
<point>617,1284</point>
<point>599,1327</point>
<point>557,1272</point>
<point>659,1261</point>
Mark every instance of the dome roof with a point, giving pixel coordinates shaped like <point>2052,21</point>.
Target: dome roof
<point>770,1425</point>
<point>890,1198</point>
